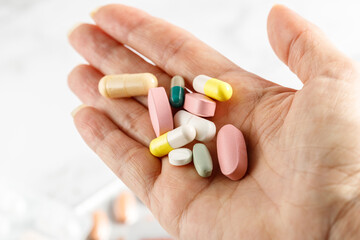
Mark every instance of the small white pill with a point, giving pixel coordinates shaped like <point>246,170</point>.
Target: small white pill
<point>180,156</point>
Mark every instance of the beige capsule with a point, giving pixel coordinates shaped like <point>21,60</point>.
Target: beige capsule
<point>127,85</point>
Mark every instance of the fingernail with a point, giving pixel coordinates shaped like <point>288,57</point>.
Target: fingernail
<point>93,12</point>
<point>73,28</point>
<point>76,110</point>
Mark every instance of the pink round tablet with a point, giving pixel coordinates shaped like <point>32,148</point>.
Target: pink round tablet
<point>231,150</point>
<point>160,111</point>
<point>199,105</point>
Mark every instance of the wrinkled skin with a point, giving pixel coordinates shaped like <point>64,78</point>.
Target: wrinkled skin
<point>303,146</point>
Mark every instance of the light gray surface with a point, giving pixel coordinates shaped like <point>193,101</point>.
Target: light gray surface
<point>39,147</point>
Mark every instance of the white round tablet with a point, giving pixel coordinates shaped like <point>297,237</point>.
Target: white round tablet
<point>180,156</point>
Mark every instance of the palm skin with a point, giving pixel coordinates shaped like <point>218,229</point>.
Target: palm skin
<point>303,175</point>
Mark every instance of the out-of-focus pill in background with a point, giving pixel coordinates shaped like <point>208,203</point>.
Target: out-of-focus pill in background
<point>101,226</point>
<point>125,208</point>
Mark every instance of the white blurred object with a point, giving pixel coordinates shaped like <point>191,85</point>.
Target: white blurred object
<point>13,205</point>
<point>5,227</point>
<point>33,235</point>
<point>27,215</point>
<point>59,222</point>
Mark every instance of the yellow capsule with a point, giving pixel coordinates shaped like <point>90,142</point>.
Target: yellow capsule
<point>160,146</point>
<point>175,138</point>
<point>127,85</point>
<point>213,88</point>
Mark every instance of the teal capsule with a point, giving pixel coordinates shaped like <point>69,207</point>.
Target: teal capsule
<point>177,92</point>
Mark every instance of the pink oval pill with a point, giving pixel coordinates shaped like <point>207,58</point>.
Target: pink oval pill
<point>199,105</point>
<point>160,111</point>
<point>231,150</point>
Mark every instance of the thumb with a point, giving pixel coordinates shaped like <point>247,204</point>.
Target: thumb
<point>303,47</point>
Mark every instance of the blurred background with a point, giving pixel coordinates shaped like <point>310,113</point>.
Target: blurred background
<point>51,183</point>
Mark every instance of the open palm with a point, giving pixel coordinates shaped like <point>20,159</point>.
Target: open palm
<point>303,146</point>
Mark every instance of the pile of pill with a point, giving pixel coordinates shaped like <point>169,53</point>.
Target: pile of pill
<point>174,132</point>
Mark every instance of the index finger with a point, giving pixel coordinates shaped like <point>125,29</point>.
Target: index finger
<point>173,49</point>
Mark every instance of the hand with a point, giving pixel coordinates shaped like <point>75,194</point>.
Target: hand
<point>303,146</point>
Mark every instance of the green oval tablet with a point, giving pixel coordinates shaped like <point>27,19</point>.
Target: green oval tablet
<point>202,160</point>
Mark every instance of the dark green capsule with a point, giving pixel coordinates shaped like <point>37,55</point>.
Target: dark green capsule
<point>177,92</point>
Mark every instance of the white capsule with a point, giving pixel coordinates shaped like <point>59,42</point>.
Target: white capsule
<point>205,129</point>
<point>181,136</point>
<point>180,156</point>
<point>199,83</point>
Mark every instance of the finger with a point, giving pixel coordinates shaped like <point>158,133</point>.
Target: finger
<point>128,159</point>
<point>171,48</point>
<point>132,117</point>
<point>303,47</point>
<point>109,56</point>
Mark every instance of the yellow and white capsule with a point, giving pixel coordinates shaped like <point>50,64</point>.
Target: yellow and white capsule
<point>127,85</point>
<point>176,138</point>
<point>213,88</point>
